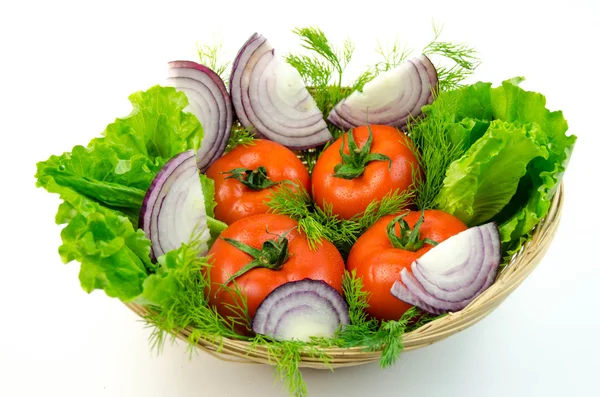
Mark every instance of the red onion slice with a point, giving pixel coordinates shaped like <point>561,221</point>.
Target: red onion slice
<point>270,98</point>
<point>301,309</point>
<point>209,102</point>
<point>451,275</point>
<point>173,211</point>
<point>389,99</point>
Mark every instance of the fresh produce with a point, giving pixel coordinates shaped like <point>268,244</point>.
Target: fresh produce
<point>361,166</point>
<point>246,176</point>
<point>391,245</point>
<point>271,100</point>
<point>209,102</point>
<point>174,211</point>
<point>117,168</point>
<point>501,155</point>
<point>474,156</point>
<point>449,276</point>
<point>299,310</point>
<point>391,98</point>
<point>258,254</point>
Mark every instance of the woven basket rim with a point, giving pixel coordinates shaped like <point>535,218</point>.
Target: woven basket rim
<point>511,276</point>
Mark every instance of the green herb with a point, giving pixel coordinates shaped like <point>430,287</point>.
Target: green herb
<point>435,149</point>
<point>464,60</point>
<point>240,136</point>
<point>314,222</point>
<point>391,204</point>
<point>310,157</point>
<point>186,306</point>
<point>391,57</point>
<point>320,223</point>
<point>369,333</point>
<point>422,318</point>
<point>322,69</point>
<point>211,56</point>
<point>286,356</point>
<point>357,298</point>
<point>317,223</point>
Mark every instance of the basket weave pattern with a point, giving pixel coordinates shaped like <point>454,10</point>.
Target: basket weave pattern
<point>522,264</point>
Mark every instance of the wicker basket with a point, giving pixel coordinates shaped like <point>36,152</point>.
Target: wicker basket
<point>507,281</point>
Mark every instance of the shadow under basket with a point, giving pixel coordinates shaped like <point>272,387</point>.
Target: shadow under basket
<point>510,277</point>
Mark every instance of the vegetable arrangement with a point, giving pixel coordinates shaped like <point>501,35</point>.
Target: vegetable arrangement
<point>296,211</point>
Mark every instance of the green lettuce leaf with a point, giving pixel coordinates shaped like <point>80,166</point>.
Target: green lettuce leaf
<point>114,255</point>
<point>516,207</point>
<point>532,200</point>
<point>484,179</point>
<point>173,270</point>
<point>117,169</point>
<point>103,186</point>
<point>156,128</point>
<point>97,172</point>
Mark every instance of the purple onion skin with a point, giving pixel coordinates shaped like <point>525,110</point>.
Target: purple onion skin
<point>342,117</point>
<point>283,297</point>
<point>223,134</point>
<point>410,290</point>
<point>244,109</point>
<point>236,61</point>
<point>157,183</point>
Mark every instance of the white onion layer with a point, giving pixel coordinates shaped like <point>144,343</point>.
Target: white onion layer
<point>391,98</point>
<point>452,274</point>
<point>173,211</point>
<point>270,98</point>
<point>209,102</point>
<point>299,310</point>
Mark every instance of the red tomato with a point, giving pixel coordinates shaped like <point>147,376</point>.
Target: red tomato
<point>324,264</point>
<point>379,263</point>
<point>235,200</point>
<point>348,195</point>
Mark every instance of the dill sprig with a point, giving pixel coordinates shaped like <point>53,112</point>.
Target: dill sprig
<point>286,356</point>
<point>211,56</point>
<point>316,223</point>
<point>322,69</point>
<point>187,308</point>
<point>391,57</point>
<point>356,297</point>
<point>436,150</point>
<point>464,60</point>
<point>240,136</point>
<point>367,332</point>
<point>392,203</point>
<point>421,318</point>
<point>321,223</point>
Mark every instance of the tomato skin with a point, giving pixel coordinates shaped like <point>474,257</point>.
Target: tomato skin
<point>234,199</point>
<point>379,264</point>
<point>349,197</point>
<point>325,263</point>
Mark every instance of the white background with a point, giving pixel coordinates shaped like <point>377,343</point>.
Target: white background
<point>66,70</point>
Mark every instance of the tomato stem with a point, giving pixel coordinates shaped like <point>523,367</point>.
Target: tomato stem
<point>353,164</point>
<point>408,240</point>
<point>255,179</point>
<point>273,255</point>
